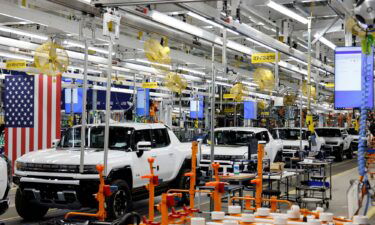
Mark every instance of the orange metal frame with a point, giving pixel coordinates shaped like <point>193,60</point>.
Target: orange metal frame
<point>153,181</point>
<point>101,215</point>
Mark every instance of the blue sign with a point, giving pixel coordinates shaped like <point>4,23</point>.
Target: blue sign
<point>119,100</point>
<point>349,79</point>
<point>143,102</point>
<point>196,108</point>
<point>250,110</point>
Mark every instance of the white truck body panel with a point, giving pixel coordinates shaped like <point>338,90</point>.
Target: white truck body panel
<point>3,177</point>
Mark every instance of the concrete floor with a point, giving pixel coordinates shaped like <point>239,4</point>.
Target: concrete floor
<point>342,173</point>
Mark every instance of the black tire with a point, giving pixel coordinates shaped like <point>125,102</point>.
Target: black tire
<point>120,202</point>
<point>183,182</point>
<point>339,155</point>
<point>349,154</point>
<point>27,210</point>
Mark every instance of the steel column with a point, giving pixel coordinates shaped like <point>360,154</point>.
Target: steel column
<point>108,105</point>
<point>84,103</point>
<point>212,123</point>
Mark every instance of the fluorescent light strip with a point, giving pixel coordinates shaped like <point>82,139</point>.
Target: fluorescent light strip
<point>201,18</point>
<point>260,44</point>
<point>24,33</point>
<point>287,12</point>
<point>325,41</point>
<point>16,56</point>
<point>297,60</point>
<point>81,45</point>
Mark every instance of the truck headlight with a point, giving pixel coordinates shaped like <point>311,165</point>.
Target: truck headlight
<point>20,165</point>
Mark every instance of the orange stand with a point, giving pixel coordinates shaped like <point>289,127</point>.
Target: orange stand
<point>219,187</point>
<point>193,173</point>
<point>258,181</point>
<point>104,191</point>
<point>153,181</point>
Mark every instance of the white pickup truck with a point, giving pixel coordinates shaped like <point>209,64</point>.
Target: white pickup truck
<point>338,140</point>
<point>290,138</point>
<point>51,178</point>
<point>5,181</point>
<point>231,144</point>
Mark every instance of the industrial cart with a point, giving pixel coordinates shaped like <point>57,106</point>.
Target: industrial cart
<point>315,186</point>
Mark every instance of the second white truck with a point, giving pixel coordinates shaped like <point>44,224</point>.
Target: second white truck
<point>231,144</point>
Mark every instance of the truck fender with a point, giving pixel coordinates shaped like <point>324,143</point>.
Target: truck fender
<point>124,173</point>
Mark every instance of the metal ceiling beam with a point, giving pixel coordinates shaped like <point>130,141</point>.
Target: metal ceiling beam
<point>321,34</point>
<point>255,34</point>
<point>77,5</point>
<point>113,3</point>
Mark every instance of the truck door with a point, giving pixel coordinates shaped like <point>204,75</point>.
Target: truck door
<point>140,166</point>
<point>163,151</point>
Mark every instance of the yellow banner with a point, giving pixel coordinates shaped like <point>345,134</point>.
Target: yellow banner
<point>228,96</point>
<point>265,113</point>
<point>264,57</point>
<point>330,85</point>
<point>15,64</point>
<point>150,85</point>
<point>229,110</point>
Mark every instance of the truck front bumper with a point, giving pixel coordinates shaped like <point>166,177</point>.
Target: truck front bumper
<point>58,192</point>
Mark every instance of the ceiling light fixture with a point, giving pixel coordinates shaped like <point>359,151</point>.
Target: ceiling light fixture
<point>16,56</point>
<point>24,33</point>
<point>201,18</point>
<point>287,12</point>
<point>325,41</point>
<point>260,44</point>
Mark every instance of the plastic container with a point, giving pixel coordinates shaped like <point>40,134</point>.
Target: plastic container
<point>230,222</point>
<point>361,220</point>
<point>280,220</point>
<point>248,218</point>
<point>263,212</point>
<point>198,221</point>
<point>234,209</point>
<point>326,217</point>
<point>217,215</point>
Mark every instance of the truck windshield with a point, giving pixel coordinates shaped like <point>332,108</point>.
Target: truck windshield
<point>328,132</point>
<point>291,134</point>
<point>119,138</point>
<point>240,138</point>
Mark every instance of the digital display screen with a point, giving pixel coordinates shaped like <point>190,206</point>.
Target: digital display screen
<point>250,110</point>
<point>348,78</point>
<point>196,108</point>
<point>143,102</point>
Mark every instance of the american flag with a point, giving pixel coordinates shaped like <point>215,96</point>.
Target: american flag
<point>32,113</point>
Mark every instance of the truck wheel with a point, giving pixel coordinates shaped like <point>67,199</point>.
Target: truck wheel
<point>349,155</point>
<point>28,210</point>
<point>183,182</point>
<point>120,202</point>
<point>339,155</point>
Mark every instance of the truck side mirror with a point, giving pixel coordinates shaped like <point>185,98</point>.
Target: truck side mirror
<point>55,143</point>
<point>143,146</point>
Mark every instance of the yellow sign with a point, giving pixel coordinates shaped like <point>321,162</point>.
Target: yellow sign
<point>227,96</point>
<point>229,110</point>
<point>15,64</point>
<point>150,85</point>
<point>264,57</point>
<point>265,113</point>
<point>310,123</point>
<point>330,85</point>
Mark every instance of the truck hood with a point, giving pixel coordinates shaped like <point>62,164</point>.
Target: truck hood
<point>225,150</point>
<point>333,139</point>
<point>68,157</point>
<point>294,142</point>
